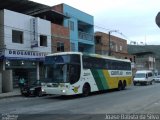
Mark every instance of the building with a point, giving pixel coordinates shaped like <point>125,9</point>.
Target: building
<point>60,34</point>
<point>72,29</point>
<point>38,30</point>
<point>118,46</point>
<point>81,26</point>
<point>145,61</point>
<point>24,42</point>
<point>147,56</point>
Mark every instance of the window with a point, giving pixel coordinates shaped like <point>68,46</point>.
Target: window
<point>60,47</point>
<point>17,36</point>
<point>116,48</point>
<point>73,47</point>
<point>97,39</point>
<point>43,40</point>
<point>71,25</point>
<point>100,63</point>
<point>120,48</point>
<point>149,74</point>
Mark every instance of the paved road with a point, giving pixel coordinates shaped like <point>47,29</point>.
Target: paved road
<point>135,99</point>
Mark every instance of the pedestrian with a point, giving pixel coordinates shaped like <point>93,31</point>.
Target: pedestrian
<point>21,82</point>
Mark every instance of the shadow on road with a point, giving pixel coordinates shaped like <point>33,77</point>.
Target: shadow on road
<point>62,97</point>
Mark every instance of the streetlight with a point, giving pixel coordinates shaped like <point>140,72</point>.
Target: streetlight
<point>109,45</point>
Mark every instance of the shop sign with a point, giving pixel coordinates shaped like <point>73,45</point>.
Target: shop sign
<point>34,32</point>
<point>24,54</point>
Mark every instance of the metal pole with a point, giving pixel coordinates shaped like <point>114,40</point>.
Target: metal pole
<point>109,46</point>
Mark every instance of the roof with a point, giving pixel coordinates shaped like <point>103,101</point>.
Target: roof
<point>51,15</point>
<point>22,6</point>
<point>147,49</point>
<point>143,71</point>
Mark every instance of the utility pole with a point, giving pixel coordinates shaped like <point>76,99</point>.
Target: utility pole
<point>109,45</point>
<point>109,42</point>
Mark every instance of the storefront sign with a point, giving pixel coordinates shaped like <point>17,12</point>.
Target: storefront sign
<point>34,32</point>
<point>17,54</point>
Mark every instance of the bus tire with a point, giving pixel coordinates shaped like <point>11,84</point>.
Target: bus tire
<point>120,85</point>
<point>134,83</point>
<point>124,85</point>
<point>86,90</point>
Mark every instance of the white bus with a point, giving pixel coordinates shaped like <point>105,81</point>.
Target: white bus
<point>71,73</point>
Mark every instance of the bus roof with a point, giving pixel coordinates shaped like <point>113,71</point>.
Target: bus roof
<point>90,55</point>
<point>64,53</point>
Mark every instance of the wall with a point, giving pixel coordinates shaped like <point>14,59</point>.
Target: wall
<point>7,81</point>
<point>58,8</point>
<point>23,23</point>
<point>0,82</point>
<point>114,41</point>
<point>1,30</point>
<point>79,15</point>
<point>60,34</point>
<point>75,16</point>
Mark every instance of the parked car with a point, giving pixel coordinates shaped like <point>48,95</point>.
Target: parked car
<point>143,77</point>
<point>157,79</point>
<point>32,90</point>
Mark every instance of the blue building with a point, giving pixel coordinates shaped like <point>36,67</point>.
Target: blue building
<point>81,27</point>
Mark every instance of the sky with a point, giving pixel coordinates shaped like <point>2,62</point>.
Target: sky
<point>133,19</point>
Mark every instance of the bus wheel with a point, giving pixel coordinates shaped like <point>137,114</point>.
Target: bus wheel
<point>86,89</point>
<point>124,85</point>
<point>120,85</point>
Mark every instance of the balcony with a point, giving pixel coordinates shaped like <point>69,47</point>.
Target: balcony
<point>86,36</point>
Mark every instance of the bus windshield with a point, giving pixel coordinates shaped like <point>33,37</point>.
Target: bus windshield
<point>57,73</point>
<point>63,69</point>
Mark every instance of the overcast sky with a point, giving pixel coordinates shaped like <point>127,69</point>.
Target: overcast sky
<point>133,18</point>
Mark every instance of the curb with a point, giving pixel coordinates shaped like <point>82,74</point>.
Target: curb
<point>9,96</point>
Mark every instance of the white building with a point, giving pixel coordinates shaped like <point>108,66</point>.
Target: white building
<point>24,41</point>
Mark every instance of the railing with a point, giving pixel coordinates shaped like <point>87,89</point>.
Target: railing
<point>85,36</point>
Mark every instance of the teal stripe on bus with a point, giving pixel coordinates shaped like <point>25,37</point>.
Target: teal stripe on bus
<point>103,79</point>
<point>97,79</point>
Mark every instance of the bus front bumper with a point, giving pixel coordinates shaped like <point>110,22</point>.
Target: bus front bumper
<point>54,91</point>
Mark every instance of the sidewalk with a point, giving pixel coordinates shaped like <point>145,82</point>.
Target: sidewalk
<point>14,93</point>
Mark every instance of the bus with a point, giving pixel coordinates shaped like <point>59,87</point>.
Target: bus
<point>72,73</point>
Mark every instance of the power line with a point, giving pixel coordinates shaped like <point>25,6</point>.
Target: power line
<point>3,27</point>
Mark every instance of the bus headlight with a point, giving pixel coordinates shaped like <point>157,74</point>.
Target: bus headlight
<point>63,91</point>
<point>42,90</point>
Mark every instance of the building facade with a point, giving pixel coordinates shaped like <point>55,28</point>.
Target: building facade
<point>118,46</point>
<point>60,38</point>
<point>24,42</point>
<point>147,56</point>
<point>60,34</point>
<point>145,61</point>
<point>81,26</point>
